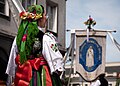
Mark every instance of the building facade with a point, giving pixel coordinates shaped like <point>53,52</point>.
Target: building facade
<point>55,9</point>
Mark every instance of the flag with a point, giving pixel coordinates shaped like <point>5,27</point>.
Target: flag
<point>90,55</point>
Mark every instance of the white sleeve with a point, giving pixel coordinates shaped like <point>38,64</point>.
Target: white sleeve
<point>52,54</point>
<point>11,63</point>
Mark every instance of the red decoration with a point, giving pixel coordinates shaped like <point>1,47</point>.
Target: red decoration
<point>24,37</point>
<point>24,71</point>
<point>22,13</point>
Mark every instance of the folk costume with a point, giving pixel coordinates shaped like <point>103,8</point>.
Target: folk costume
<point>34,58</point>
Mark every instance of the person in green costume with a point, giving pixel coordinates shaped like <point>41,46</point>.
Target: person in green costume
<point>35,59</point>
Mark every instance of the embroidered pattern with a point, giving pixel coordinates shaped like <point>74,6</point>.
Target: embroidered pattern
<point>54,47</point>
<point>51,36</point>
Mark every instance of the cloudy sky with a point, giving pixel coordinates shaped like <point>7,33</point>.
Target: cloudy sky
<point>105,12</point>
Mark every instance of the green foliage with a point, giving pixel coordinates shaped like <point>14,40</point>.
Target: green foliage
<point>20,33</point>
<point>32,33</point>
<point>35,8</point>
<point>25,48</point>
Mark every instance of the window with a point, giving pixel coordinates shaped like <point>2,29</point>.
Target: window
<point>4,8</point>
<point>3,64</point>
<point>52,14</point>
<point>27,3</point>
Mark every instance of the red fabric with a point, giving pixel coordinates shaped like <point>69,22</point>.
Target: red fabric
<point>24,71</point>
<point>22,83</point>
<point>35,63</point>
<point>23,74</point>
<point>48,78</point>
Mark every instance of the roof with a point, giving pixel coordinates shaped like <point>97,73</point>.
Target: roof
<point>112,67</point>
<point>112,64</point>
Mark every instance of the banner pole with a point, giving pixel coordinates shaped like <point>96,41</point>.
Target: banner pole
<point>73,36</point>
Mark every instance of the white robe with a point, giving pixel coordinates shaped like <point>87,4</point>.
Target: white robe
<point>90,57</point>
<point>51,53</point>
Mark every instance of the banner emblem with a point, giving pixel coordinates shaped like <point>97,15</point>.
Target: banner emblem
<point>90,55</point>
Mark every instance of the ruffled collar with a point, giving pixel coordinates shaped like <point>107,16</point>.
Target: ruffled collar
<point>41,29</point>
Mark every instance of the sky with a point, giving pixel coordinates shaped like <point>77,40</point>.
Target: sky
<point>107,15</point>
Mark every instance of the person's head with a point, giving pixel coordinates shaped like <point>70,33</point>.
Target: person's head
<point>39,10</point>
<point>101,76</point>
<point>28,30</point>
<point>42,21</point>
<point>35,13</point>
